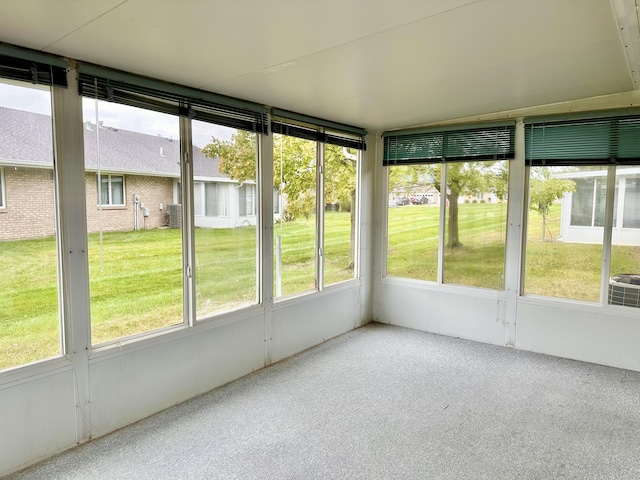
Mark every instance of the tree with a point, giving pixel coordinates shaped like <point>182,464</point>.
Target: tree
<point>294,161</point>
<point>294,169</point>
<point>468,178</point>
<point>544,190</point>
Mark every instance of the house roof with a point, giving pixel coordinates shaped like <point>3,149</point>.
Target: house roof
<point>25,139</point>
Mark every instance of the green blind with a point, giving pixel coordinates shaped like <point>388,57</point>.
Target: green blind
<point>595,141</point>
<point>143,92</point>
<point>488,142</point>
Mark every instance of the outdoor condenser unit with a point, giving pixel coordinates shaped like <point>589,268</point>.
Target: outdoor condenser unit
<point>624,289</point>
<point>175,215</point>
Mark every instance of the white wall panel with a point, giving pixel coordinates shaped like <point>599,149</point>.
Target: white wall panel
<point>606,335</point>
<point>37,419</point>
<point>311,319</point>
<point>132,385</point>
<point>456,311</point>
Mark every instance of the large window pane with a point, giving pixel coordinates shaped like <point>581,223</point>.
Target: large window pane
<point>135,266</point>
<point>624,281</point>
<point>225,237</point>
<point>413,222</point>
<point>29,314</point>
<point>564,242</point>
<point>294,164</point>
<point>476,219</point>
<point>340,167</point>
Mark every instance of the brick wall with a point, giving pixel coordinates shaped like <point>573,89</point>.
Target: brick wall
<point>29,210</point>
<point>152,191</point>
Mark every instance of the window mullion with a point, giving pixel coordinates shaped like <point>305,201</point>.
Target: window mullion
<point>443,212</point>
<point>188,241</point>
<point>608,234</point>
<point>320,149</point>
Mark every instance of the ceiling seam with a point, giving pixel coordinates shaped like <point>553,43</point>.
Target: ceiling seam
<point>295,59</point>
<point>85,24</point>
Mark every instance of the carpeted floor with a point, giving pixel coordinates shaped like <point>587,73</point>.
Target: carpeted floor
<point>383,402</point>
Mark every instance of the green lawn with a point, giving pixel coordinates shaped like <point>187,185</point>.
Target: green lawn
<point>136,280</point>
<point>552,267</point>
<point>136,283</point>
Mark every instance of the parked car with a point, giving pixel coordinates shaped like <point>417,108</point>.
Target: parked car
<point>420,200</point>
<point>400,201</point>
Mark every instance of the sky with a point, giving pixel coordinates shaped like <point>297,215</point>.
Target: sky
<point>38,100</point>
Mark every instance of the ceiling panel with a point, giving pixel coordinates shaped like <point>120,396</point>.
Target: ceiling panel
<point>38,23</point>
<point>374,63</point>
<point>494,51</point>
<point>201,42</point>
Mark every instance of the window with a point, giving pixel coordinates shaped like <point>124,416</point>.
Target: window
<point>211,199</point>
<point>3,202</point>
<point>135,267</point>
<point>110,190</point>
<point>569,166</point>
<point>413,226</point>
<point>246,200</point>
<point>226,240</point>
<point>29,313</point>
<point>563,256</point>
<point>216,199</point>
<point>475,230</point>
<point>294,163</point>
<point>340,205</point>
<point>448,187</point>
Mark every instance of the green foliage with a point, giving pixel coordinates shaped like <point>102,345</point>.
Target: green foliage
<point>294,176</point>
<point>544,190</point>
<point>237,156</point>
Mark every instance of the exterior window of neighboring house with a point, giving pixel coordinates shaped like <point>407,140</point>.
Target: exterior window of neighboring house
<point>111,190</point>
<point>276,201</point>
<point>29,284</point>
<point>216,199</point>
<point>246,199</point>
<point>211,199</point>
<point>631,212</point>
<point>3,203</point>
<point>588,202</point>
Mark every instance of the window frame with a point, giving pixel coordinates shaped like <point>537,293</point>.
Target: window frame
<point>110,203</point>
<point>3,197</point>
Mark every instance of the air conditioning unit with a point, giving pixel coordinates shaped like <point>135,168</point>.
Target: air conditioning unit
<point>175,215</point>
<point>624,289</point>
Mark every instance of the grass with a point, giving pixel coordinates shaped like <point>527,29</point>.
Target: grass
<point>552,267</point>
<point>136,284</point>
<point>136,280</point>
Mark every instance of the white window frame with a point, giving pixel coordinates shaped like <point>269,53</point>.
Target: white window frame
<point>3,198</point>
<point>110,190</point>
<point>249,192</point>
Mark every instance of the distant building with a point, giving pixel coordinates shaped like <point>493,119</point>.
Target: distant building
<point>139,177</point>
<point>583,211</point>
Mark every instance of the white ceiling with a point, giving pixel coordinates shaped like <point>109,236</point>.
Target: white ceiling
<point>377,64</point>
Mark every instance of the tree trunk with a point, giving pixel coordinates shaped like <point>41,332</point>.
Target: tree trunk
<point>453,237</point>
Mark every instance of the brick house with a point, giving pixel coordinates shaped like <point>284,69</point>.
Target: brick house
<point>139,179</point>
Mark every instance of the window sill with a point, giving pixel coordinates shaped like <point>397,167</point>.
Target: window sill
<point>111,207</point>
